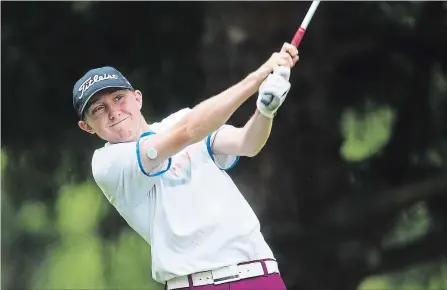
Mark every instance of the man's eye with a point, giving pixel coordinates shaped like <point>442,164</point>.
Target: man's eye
<point>97,109</point>
<point>118,97</point>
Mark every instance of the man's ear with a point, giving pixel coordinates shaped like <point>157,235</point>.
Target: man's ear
<point>139,97</point>
<point>84,126</point>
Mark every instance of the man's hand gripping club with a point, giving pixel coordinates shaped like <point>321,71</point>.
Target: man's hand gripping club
<point>274,89</point>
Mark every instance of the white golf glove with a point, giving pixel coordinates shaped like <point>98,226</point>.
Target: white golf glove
<point>273,91</point>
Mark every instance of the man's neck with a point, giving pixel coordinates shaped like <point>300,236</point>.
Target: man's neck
<point>144,126</point>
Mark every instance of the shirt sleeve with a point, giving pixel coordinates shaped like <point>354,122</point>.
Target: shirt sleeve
<point>223,161</point>
<point>117,172</point>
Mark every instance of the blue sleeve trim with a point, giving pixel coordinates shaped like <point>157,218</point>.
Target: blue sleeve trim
<point>140,164</point>
<point>210,152</point>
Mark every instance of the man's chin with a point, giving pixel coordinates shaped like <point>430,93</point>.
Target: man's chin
<point>125,139</point>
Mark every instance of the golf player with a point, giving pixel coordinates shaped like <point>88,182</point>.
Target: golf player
<point>168,181</point>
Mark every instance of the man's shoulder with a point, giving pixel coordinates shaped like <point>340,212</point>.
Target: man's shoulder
<point>111,155</point>
<point>108,149</point>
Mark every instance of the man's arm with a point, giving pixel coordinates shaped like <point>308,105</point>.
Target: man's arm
<point>249,140</point>
<point>245,141</point>
<point>207,116</point>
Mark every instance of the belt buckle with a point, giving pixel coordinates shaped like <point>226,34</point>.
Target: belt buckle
<point>225,275</point>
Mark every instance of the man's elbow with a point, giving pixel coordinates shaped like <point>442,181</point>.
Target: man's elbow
<point>250,152</point>
<point>248,148</point>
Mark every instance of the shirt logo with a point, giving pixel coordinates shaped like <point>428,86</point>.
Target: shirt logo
<point>91,81</point>
<point>180,171</point>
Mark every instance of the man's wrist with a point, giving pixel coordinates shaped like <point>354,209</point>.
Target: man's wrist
<point>265,113</point>
<point>258,76</point>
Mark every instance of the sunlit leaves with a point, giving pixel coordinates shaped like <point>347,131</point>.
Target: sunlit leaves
<point>130,252</point>
<point>375,283</point>
<point>79,208</point>
<point>81,259</point>
<point>33,216</point>
<point>365,135</point>
<point>412,223</point>
<point>76,264</point>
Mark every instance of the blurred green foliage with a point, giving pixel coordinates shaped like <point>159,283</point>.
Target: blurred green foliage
<point>77,257</point>
<point>412,223</point>
<point>365,134</point>
<point>430,276</point>
<point>366,118</point>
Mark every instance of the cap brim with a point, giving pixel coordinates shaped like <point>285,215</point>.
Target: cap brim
<point>97,91</point>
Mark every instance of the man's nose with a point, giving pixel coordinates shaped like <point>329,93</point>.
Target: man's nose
<point>114,112</point>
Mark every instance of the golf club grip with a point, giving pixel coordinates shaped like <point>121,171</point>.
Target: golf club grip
<point>296,40</point>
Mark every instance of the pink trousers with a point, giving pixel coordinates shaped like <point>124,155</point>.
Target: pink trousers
<point>266,282</point>
<point>270,282</point>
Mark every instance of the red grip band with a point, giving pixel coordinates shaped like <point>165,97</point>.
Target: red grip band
<point>298,36</point>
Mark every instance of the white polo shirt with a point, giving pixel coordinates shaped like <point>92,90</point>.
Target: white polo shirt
<point>190,211</point>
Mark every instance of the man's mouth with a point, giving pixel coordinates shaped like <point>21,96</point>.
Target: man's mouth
<point>119,121</point>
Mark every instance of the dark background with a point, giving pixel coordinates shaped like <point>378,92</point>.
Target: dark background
<point>351,188</point>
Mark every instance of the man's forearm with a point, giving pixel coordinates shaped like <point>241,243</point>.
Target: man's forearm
<point>255,134</point>
<point>212,113</point>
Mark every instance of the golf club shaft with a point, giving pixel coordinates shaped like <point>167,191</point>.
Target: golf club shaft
<point>302,29</point>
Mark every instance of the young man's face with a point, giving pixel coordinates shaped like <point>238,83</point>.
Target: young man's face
<point>114,115</point>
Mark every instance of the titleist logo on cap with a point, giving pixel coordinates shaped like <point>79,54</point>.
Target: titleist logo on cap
<point>96,78</point>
